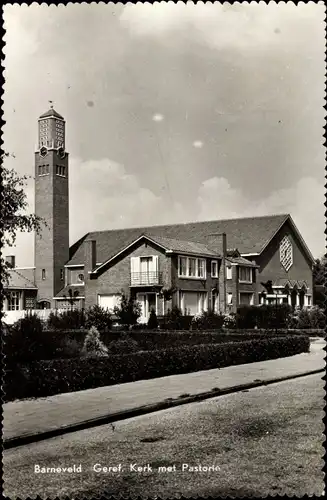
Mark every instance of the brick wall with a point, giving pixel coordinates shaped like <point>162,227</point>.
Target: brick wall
<point>191,284</point>
<point>269,260</point>
<point>115,278</point>
<point>52,245</point>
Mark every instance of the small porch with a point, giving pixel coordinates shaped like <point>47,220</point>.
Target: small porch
<point>149,298</point>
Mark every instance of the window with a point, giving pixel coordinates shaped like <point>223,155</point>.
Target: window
<point>193,302</point>
<point>43,274</point>
<point>229,272</point>
<point>215,301</point>
<point>190,267</point>
<point>229,298</point>
<point>30,303</point>
<point>61,275</point>
<point>75,276</point>
<point>13,301</point>
<point>246,299</point>
<point>201,268</point>
<point>61,170</point>
<point>202,298</point>
<point>183,266</point>
<point>214,269</point>
<point>286,253</point>
<point>245,274</point>
<point>44,169</point>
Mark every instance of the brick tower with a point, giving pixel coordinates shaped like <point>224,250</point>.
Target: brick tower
<point>51,203</point>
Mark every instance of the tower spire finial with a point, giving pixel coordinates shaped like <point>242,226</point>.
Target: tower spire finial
<point>51,104</point>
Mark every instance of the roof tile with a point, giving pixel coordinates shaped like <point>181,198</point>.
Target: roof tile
<point>248,235</point>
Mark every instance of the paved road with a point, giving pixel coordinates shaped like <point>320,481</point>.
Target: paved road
<point>28,417</point>
<point>264,441</point>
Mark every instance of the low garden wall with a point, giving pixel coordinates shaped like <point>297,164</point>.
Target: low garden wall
<point>45,378</point>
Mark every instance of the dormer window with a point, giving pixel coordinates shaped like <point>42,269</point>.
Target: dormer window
<point>245,274</point>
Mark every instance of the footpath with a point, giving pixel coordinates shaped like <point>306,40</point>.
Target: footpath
<point>35,419</point>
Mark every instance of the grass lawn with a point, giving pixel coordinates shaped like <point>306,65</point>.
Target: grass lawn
<point>263,441</point>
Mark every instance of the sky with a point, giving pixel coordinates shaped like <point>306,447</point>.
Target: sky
<point>174,112</point>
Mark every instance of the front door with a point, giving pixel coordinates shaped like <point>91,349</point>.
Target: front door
<point>148,302</point>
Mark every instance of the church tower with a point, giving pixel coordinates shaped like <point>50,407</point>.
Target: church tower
<point>51,203</point>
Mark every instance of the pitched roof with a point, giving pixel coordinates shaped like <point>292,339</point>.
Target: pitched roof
<point>182,246</point>
<point>249,235</point>
<point>290,283</point>
<point>65,292</point>
<point>51,112</point>
<point>241,261</point>
<point>21,279</point>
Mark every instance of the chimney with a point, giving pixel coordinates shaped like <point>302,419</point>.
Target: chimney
<point>218,243</point>
<point>10,261</point>
<point>90,257</point>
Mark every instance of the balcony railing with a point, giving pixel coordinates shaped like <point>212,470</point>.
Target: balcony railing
<point>147,278</point>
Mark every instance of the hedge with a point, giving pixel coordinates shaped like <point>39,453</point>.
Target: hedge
<point>265,316</point>
<point>46,378</point>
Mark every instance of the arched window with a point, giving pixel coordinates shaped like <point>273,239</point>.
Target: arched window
<point>43,304</point>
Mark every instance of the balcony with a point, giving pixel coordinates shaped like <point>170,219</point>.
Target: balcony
<point>146,279</point>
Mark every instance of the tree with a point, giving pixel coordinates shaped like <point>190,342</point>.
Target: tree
<point>72,297</point>
<point>128,311</point>
<point>93,346</point>
<point>153,320</point>
<point>13,211</point>
<point>319,271</point>
<point>319,278</point>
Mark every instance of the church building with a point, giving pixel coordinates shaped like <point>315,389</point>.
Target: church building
<point>217,264</point>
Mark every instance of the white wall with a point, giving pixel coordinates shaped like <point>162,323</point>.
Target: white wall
<point>10,317</point>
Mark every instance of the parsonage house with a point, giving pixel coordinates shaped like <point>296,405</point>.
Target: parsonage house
<point>217,264</point>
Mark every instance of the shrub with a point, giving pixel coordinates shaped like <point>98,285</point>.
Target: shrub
<point>153,320</point>
<point>57,376</point>
<point>128,311</point>
<point>308,318</point>
<point>123,346</point>
<point>99,317</point>
<point>175,320</point>
<point>54,321</point>
<point>25,340</point>
<point>317,317</point>
<point>67,320</point>
<point>208,320</point>
<point>93,346</point>
<point>229,320</point>
<point>70,348</point>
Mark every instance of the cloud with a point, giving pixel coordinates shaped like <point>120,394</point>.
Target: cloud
<point>103,195</point>
<point>247,80</point>
<point>220,24</point>
<point>304,201</point>
<point>158,117</point>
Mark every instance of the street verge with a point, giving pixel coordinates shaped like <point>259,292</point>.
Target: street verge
<point>142,410</point>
